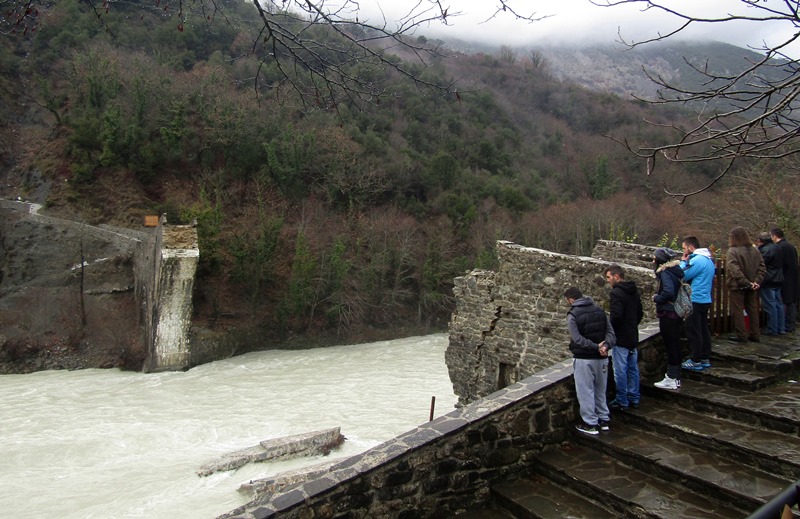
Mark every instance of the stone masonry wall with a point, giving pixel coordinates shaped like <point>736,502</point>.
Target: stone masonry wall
<point>511,323</point>
<point>632,254</point>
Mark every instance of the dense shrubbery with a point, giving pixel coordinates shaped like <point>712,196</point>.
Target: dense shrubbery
<point>333,220</point>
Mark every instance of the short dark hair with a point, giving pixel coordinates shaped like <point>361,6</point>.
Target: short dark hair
<point>693,241</point>
<point>615,270</point>
<point>777,231</point>
<point>573,293</point>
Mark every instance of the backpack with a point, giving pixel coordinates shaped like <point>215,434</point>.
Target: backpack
<point>683,303</point>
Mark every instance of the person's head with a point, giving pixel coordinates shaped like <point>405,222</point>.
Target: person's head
<point>662,255</point>
<point>776,234</point>
<point>690,244</point>
<point>763,238</point>
<point>573,294</point>
<point>614,274</point>
<point>739,237</point>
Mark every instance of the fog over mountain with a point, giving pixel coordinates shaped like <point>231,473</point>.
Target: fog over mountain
<point>612,69</point>
<point>585,23</point>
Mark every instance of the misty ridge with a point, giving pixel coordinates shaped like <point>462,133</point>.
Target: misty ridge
<point>612,68</point>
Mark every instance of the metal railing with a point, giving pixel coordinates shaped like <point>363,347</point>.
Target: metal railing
<point>774,508</point>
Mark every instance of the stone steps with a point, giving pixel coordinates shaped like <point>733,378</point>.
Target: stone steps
<point>775,407</point>
<point>772,451</point>
<point>702,470</point>
<point>724,444</point>
<point>750,366</point>
<point>538,497</point>
<point>625,490</point>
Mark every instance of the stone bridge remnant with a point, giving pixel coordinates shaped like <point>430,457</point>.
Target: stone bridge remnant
<point>168,301</point>
<point>511,323</point>
<point>136,284</point>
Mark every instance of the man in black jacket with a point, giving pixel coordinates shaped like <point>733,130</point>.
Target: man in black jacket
<point>791,280</point>
<point>626,314</point>
<point>591,336</point>
<point>770,291</point>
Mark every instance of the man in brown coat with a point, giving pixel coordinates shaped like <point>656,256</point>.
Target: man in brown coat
<point>745,270</point>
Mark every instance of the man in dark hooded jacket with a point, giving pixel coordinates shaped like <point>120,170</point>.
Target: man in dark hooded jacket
<point>626,314</point>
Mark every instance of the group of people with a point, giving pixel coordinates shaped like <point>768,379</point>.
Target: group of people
<point>767,269</point>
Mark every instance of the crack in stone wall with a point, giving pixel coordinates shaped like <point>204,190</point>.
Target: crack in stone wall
<point>516,316</point>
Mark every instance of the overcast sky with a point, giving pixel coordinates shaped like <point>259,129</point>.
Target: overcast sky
<point>575,20</point>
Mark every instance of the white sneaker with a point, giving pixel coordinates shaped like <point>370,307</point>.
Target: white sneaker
<point>668,383</point>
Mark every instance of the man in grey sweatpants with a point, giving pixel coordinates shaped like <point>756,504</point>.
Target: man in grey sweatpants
<point>591,336</point>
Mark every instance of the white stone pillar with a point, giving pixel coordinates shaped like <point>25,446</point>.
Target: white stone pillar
<point>172,311</point>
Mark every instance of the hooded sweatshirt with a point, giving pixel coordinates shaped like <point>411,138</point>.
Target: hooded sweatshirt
<point>626,313</point>
<point>698,271</point>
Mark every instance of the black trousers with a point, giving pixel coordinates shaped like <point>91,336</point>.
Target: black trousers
<point>670,333</point>
<point>698,333</point>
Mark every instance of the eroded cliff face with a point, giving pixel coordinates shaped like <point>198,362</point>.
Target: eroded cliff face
<point>57,313</point>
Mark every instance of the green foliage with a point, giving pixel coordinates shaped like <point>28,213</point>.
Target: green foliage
<point>254,257</point>
<point>602,183</point>
<point>290,161</point>
<point>300,298</point>
<point>670,242</point>
<point>208,213</point>
<point>462,213</point>
<point>392,202</point>
<point>619,232</point>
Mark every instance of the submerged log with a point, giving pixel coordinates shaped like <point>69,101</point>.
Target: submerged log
<point>307,444</point>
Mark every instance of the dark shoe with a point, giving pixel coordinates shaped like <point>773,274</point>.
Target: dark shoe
<point>736,338</point>
<point>587,429</point>
<point>635,405</point>
<point>692,365</point>
<point>616,406</point>
<point>754,339</point>
<point>604,425</point>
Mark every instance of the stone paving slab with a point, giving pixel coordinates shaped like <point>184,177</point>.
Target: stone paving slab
<point>741,484</point>
<point>486,513</point>
<point>603,474</point>
<point>778,403</point>
<point>541,498</point>
<point>768,448</point>
<point>781,353</point>
<point>726,374</point>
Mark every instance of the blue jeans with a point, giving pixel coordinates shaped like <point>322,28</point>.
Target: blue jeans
<point>772,302</point>
<point>626,375</point>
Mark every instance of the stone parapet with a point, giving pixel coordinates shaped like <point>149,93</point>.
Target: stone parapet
<point>625,253</point>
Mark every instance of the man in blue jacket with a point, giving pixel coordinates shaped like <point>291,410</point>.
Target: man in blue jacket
<point>698,270</point>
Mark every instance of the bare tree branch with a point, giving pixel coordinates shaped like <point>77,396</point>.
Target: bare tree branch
<point>752,112</point>
<point>321,49</point>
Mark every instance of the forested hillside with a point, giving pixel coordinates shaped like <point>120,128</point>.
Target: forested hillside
<point>338,221</point>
